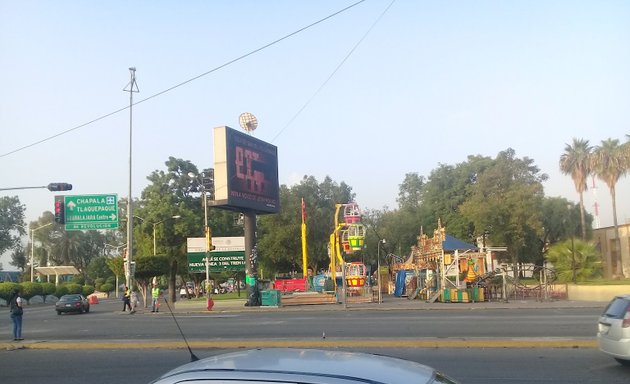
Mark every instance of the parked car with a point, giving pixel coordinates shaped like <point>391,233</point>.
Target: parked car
<point>613,329</point>
<point>306,366</point>
<point>72,303</point>
<point>188,289</point>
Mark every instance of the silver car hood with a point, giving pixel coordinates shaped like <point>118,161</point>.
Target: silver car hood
<point>363,366</point>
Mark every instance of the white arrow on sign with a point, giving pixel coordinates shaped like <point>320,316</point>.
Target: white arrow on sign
<point>113,216</point>
<point>71,205</point>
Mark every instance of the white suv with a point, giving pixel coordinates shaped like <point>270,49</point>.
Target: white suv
<point>613,330</point>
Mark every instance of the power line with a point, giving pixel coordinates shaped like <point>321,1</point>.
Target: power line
<point>333,72</point>
<point>187,81</point>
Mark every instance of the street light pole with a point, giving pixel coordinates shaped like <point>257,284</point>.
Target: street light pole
<point>33,247</point>
<point>206,229</point>
<point>378,269</point>
<point>132,88</point>
<point>207,235</point>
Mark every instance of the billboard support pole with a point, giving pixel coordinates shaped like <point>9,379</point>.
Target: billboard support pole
<point>251,259</point>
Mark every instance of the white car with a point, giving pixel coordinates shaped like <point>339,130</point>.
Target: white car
<point>613,330</point>
<point>305,366</point>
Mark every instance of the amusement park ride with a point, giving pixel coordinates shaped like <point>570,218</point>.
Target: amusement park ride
<point>343,279</point>
<point>439,268</point>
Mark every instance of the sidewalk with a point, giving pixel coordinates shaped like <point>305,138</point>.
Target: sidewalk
<point>389,303</point>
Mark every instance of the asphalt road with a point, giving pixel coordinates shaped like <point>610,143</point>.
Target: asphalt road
<point>501,327</point>
<point>475,345</point>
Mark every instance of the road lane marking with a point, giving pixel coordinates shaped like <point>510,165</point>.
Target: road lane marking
<point>308,343</point>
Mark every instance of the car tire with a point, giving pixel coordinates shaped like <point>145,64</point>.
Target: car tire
<point>623,362</point>
<point>87,310</point>
<point>58,313</point>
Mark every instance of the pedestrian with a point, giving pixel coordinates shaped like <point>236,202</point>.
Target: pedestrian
<point>127,300</point>
<point>155,295</point>
<point>16,309</point>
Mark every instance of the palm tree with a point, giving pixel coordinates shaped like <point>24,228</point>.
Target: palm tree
<point>575,261</point>
<point>575,161</point>
<point>609,162</point>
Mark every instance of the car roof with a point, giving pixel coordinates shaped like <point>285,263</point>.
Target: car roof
<point>338,365</point>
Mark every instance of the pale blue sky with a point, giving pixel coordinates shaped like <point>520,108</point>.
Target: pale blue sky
<point>431,83</point>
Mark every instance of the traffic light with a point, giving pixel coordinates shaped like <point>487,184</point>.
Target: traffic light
<point>55,187</point>
<point>209,245</point>
<point>60,216</point>
<point>207,183</point>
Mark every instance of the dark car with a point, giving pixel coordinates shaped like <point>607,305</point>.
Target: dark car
<point>306,366</point>
<point>72,303</point>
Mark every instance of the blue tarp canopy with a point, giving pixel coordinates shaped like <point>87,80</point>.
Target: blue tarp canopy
<point>453,244</point>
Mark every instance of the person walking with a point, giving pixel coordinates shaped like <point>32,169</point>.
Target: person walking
<point>15,306</point>
<point>127,300</point>
<point>155,295</point>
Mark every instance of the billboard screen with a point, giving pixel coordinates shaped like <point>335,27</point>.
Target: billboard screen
<point>245,172</point>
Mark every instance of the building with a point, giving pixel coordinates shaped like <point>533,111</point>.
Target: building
<point>604,239</point>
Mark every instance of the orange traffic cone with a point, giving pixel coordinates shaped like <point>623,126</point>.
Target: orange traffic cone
<point>93,299</point>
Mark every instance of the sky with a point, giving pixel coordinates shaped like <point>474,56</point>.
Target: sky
<point>367,95</point>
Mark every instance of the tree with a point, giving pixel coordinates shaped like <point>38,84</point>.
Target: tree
<point>279,241</point>
<point>98,268</point>
<point>170,193</point>
<point>507,197</point>
<point>18,258</point>
<point>561,220</point>
<point>61,247</point>
<point>116,265</point>
<point>609,162</point>
<point>410,191</point>
<point>447,188</point>
<point>575,260</point>
<point>576,161</point>
<point>148,267</point>
<point>11,221</point>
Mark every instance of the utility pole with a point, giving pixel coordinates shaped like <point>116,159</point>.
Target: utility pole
<point>132,88</point>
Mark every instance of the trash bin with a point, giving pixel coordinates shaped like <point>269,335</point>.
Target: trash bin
<point>271,298</point>
<point>454,297</point>
<point>476,294</point>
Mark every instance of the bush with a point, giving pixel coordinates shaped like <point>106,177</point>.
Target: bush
<point>78,279</point>
<point>61,290</point>
<point>107,287</point>
<point>98,282</point>
<point>7,288</point>
<point>30,290</point>
<point>74,288</point>
<point>111,280</point>
<point>87,290</point>
<point>48,289</point>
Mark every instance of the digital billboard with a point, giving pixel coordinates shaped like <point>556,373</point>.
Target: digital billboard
<point>245,172</point>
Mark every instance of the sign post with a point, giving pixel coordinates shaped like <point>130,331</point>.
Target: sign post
<point>91,212</point>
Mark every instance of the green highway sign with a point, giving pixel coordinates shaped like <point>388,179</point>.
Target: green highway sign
<point>219,261</point>
<point>91,212</point>
<point>228,255</point>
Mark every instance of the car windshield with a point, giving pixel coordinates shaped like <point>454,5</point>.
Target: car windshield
<point>69,298</point>
<point>617,308</point>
